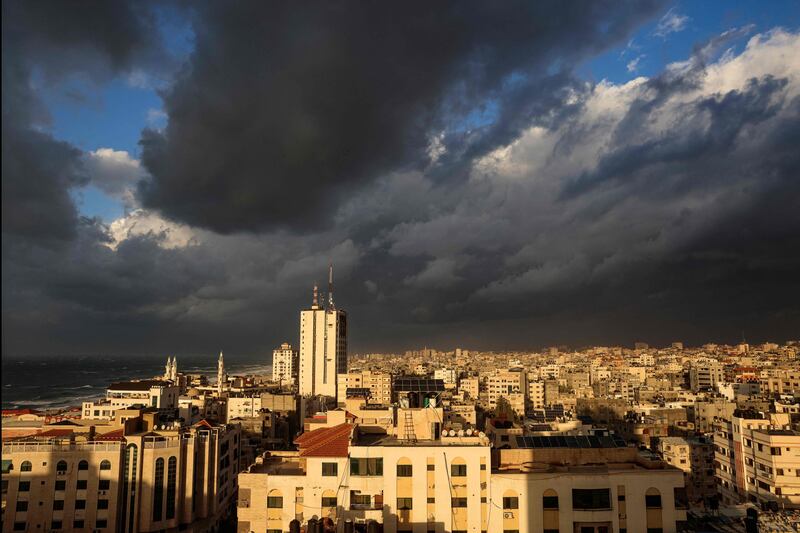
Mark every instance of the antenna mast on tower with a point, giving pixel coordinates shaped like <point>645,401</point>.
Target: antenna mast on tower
<point>331,306</point>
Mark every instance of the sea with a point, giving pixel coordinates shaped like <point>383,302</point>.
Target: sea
<point>57,382</point>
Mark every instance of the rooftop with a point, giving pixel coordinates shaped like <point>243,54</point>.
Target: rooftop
<point>142,385</point>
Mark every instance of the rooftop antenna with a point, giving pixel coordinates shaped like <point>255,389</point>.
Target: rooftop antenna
<point>315,299</point>
<point>331,306</point>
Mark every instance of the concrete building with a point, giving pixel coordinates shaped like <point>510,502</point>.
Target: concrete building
<point>447,375</point>
<point>536,395</point>
<point>469,387</point>
<point>705,375</point>
<point>455,484</point>
<point>285,364</point>
<point>323,347</point>
<point>511,385</point>
<point>695,457</point>
<point>379,385</point>
<point>139,477</point>
<point>745,471</point>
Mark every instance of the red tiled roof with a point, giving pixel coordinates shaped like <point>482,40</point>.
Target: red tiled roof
<point>18,412</point>
<point>325,442</point>
<point>117,434</point>
<point>55,433</point>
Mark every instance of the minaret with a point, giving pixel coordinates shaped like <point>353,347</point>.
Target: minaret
<point>168,369</point>
<point>220,374</point>
<point>174,375</point>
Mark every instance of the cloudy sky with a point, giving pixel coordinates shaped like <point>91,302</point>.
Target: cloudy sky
<point>481,174</point>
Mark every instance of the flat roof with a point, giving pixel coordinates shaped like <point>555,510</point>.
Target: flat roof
<point>144,384</point>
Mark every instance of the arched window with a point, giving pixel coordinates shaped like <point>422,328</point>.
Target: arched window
<point>404,468</point>
<point>274,499</point>
<point>105,464</point>
<point>510,500</point>
<point>550,499</point>
<point>158,490</point>
<point>61,467</point>
<point>83,465</point>
<point>26,466</point>
<point>652,498</point>
<point>329,499</point>
<point>172,478</point>
<point>458,468</point>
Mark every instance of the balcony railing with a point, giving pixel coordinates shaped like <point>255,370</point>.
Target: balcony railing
<point>18,447</point>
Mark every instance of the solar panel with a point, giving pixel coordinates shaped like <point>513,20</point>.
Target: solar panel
<point>406,384</point>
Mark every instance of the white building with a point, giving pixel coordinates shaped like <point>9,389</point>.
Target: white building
<point>447,375</point>
<point>284,364</point>
<point>323,347</point>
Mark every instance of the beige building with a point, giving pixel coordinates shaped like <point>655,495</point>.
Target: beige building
<point>536,394</point>
<point>156,393</point>
<point>695,457</point>
<point>509,384</point>
<point>138,477</point>
<point>379,385</point>
<point>455,484</point>
<point>323,348</point>
<point>469,387</point>
<point>757,459</point>
<point>284,364</point>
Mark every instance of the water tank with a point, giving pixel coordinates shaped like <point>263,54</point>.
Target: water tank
<point>468,432</point>
<point>460,433</point>
<point>481,434</point>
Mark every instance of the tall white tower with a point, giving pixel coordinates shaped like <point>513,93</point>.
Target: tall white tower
<point>221,377</point>
<point>323,345</point>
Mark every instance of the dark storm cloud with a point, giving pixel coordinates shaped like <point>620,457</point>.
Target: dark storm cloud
<point>55,40</point>
<point>285,107</point>
<point>468,187</point>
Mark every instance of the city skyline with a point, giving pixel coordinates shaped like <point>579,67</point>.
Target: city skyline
<point>176,177</point>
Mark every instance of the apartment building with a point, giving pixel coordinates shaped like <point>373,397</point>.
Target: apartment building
<point>469,387</point>
<point>705,375</point>
<point>536,395</point>
<point>285,364</point>
<point>509,384</point>
<point>379,385</point>
<point>138,477</point>
<point>744,470</point>
<point>695,457</point>
<point>455,484</point>
<point>148,393</point>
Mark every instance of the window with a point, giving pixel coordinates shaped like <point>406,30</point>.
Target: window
<point>431,500</point>
<point>775,451</point>
<point>83,465</point>
<point>483,466</point>
<point>330,469</point>
<point>101,524</point>
<point>172,476</point>
<point>681,498</point>
<point>274,502</point>
<point>158,490</point>
<point>105,465</point>
<point>61,467</point>
<point>24,486</point>
<point>510,502</point>
<point>366,467</point>
<point>654,530</point>
<point>483,499</point>
<point>405,504</point>
<point>329,501</point>
<point>511,531</point>
<point>102,504</point>
<point>20,526</point>
<point>404,470</point>
<point>56,524</point>
<point>78,524</point>
<point>26,466</point>
<point>458,502</point>
<point>58,505</point>
<point>652,501</point>
<point>82,483</point>
<point>431,468</point>
<point>458,470</point>
<point>80,504</point>
<point>105,484</point>
<point>22,506</point>
<point>591,499</point>
<point>550,502</point>
<point>61,484</point>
